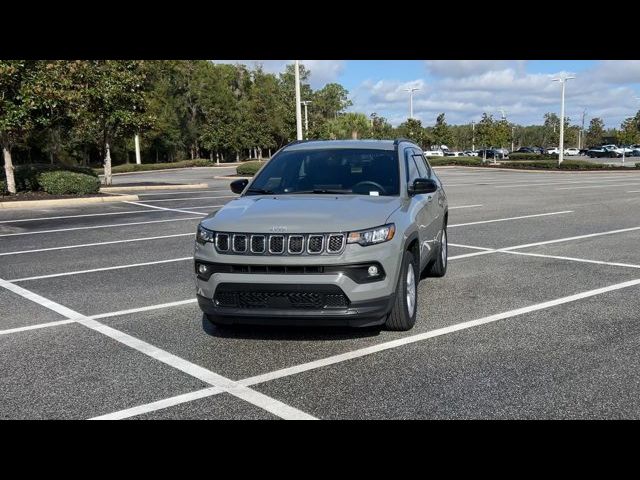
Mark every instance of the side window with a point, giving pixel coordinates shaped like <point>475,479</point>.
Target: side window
<point>422,167</point>
<point>426,162</point>
<point>412,168</point>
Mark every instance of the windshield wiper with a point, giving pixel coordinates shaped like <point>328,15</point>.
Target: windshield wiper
<point>260,191</point>
<point>324,190</point>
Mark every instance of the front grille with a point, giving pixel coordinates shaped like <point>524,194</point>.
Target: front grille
<point>239,243</point>
<point>335,243</point>
<point>280,244</point>
<point>257,243</point>
<point>296,244</point>
<point>315,244</point>
<point>276,244</point>
<point>222,242</point>
<point>281,300</point>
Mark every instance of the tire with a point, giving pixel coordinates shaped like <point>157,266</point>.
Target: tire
<point>403,314</point>
<point>438,267</point>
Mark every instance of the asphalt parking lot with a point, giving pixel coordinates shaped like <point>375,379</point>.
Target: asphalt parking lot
<point>537,316</point>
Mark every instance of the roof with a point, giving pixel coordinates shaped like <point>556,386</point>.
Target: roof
<point>323,144</point>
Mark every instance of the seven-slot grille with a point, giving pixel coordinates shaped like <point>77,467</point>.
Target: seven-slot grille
<point>278,244</point>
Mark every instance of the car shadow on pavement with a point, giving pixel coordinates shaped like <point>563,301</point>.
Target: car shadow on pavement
<point>274,332</point>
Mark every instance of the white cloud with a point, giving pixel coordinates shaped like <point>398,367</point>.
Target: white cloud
<point>466,89</point>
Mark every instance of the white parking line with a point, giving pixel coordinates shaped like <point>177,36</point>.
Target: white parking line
<point>103,269</point>
<point>112,242</point>
<point>160,404</point>
<point>573,259</point>
<point>100,226</point>
<point>600,186</point>
<point>36,327</point>
<point>188,198</point>
<point>179,193</point>
<point>334,359</point>
<point>465,206</point>
<point>143,309</point>
<point>166,209</point>
<point>510,218</point>
<point>258,399</point>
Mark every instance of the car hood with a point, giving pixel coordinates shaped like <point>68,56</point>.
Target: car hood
<point>302,213</point>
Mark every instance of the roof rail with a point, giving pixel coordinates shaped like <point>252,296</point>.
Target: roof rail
<point>297,141</point>
<point>398,140</point>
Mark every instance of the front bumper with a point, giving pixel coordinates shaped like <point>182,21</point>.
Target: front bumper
<point>356,314</point>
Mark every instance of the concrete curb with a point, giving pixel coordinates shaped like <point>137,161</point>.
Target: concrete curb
<point>226,165</point>
<point>231,178</point>
<point>538,170</point>
<point>174,186</point>
<point>67,202</point>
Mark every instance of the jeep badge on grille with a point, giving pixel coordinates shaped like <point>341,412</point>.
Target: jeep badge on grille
<point>278,229</point>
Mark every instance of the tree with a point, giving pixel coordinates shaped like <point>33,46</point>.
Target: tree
<point>630,130</point>
<point>112,103</point>
<point>485,131</point>
<point>441,132</point>
<point>413,130</point>
<point>595,132</point>
<point>348,125</point>
<point>380,127</point>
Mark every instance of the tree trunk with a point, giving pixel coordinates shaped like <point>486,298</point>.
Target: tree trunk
<point>269,153</point>
<point>217,158</point>
<point>237,156</point>
<point>354,134</point>
<point>107,165</point>
<point>8,170</point>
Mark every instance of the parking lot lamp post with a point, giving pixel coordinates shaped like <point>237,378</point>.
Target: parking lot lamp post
<point>473,136</point>
<point>513,134</point>
<point>306,118</point>
<point>411,90</point>
<point>137,143</point>
<point>562,81</point>
<point>298,107</point>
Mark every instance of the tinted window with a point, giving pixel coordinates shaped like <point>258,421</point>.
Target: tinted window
<point>422,167</point>
<point>412,167</point>
<point>340,171</point>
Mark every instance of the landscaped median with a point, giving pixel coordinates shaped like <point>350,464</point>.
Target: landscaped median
<point>44,185</point>
<point>146,167</point>
<point>542,162</point>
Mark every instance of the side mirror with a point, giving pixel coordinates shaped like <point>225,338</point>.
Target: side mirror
<point>423,185</point>
<point>237,186</point>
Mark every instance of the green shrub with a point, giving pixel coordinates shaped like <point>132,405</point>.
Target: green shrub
<point>3,187</point>
<point>553,164</point>
<point>249,168</point>
<point>462,161</point>
<point>532,156</point>
<point>26,176</point>
<point>68,183</point>
<point>144,167</point>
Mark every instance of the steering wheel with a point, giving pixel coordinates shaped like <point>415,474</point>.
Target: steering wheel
<point>369,182</point>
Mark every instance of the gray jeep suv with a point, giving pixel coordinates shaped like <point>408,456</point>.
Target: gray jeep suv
<point>326,233</point>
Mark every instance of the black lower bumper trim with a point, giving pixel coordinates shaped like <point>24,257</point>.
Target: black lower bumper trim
<point>358,314</point>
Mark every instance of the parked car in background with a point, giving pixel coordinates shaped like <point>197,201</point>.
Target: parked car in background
<point>526,150</point>
<point>453,154</point>
<point>602,152</point>
<point>471,153</point>
<point>572,152</point>
<point>434,153</point>
<point>583,151</point>
<point>539,150</point>
<point>490,153</point>
<point>552,151</point>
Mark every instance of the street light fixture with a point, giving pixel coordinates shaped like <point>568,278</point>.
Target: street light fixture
<point>411,90</point>
<point>562,80</point>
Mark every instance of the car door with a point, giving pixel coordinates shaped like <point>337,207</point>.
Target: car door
<point>422,205</point>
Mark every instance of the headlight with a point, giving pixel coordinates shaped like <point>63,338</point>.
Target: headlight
<point>203,235</point>
<point>372,235</point>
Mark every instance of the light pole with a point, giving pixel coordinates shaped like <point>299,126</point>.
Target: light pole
<point>137,142</point>
<point>298,109</point>
<point>306,118</point>
<point>411,90</point>
<point>513,135</point>
<point>562,81</point>
<point>473,135</point>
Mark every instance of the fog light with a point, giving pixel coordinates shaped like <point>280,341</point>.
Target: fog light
<point>203,269</point>
<point>373,271</point>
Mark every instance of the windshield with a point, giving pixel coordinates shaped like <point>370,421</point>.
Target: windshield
<point>331,171</point>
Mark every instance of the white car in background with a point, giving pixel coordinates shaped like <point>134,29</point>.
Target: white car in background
<point>571,152</point>
<point>434,153</point>
<point>454,154</point>
<point>471,153</point>
<point>554,150</point>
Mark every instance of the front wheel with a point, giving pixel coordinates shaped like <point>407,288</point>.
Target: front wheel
<point>403,314</point>
<point>438,267</point>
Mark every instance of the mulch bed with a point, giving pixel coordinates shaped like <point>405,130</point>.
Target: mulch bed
<point>23,196</point>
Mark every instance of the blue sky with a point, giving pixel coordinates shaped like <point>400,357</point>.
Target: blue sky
<point>464,89</point>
